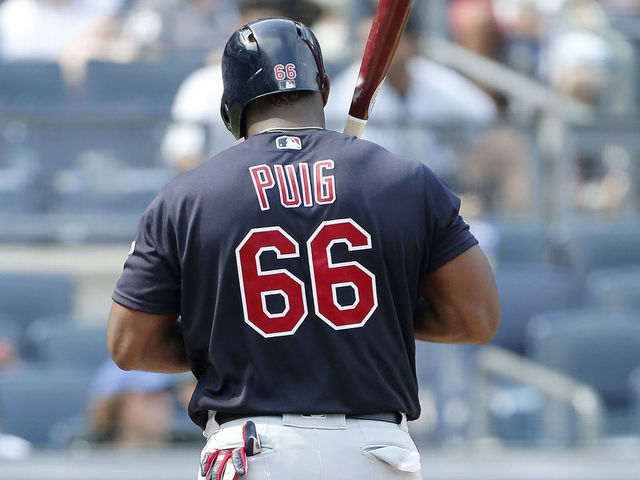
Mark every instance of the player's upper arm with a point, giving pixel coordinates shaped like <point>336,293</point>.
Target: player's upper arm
<point>463,301</point>
<point>133,337</point>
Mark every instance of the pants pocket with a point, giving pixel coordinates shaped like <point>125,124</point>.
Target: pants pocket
<point>401,458</point>
<point>266,452</point>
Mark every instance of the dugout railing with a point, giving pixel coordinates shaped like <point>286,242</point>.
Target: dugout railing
<point>496,363</point>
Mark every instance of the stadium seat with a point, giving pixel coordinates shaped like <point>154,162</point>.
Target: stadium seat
<point>11,329</point>
<point>634,392</point>
<point>62,340</point>
<point>36,401</point>
<point>526,290</point>
<point>31,85</point>
<point>18,191</point>
<point>68,228</point>
<point>617,287</point>
<point>103,136</point>
<point>520,241</point>
<point>127,190</point>
<point>92,228</point>
<point>28,296</point>
<point>138,84</point>
<point>23,228</point>
<point>589,245</point>
<point>596,346</point>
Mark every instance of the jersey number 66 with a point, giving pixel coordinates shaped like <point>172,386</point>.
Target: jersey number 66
<point>326,278</point>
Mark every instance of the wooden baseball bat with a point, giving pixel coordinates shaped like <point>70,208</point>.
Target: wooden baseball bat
<point>388,24</point>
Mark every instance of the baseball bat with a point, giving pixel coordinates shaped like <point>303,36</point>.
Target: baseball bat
<point>388,24</point>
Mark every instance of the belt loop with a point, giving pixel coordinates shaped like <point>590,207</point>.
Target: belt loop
<point>212,426</point>
<point>326,422</point>
<point>403,423</point>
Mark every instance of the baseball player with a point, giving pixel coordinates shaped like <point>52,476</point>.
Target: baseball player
<point>304,264</point>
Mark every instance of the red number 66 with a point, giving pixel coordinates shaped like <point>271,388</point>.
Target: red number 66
<point>281,71</point>
<point>327,276</point>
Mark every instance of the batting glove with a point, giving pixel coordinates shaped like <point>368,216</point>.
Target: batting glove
<point>231,463</point>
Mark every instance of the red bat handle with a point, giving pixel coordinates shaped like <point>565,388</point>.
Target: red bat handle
<point>388,25</point>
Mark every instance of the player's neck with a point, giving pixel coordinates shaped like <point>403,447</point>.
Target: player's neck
<point>282,125</point>
<point>302,116</point>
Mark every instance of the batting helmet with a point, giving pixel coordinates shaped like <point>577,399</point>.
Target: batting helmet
<point>267,56</point>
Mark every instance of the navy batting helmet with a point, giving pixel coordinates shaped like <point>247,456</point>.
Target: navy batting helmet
<point>267,56</point>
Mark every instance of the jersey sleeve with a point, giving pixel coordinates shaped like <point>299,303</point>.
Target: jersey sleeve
<point>150,281</point>
<point>449,233</point>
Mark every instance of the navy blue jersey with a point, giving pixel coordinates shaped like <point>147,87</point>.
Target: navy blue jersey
<point>296,261</point>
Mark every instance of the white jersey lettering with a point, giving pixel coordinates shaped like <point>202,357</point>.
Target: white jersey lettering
<point>262,181</point>
<point>295,189</point>
<point>325,185</point>
<point>307,193</point>
<point>289,190</point>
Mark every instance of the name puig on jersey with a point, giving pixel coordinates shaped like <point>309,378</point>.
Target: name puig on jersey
<point>302,186</point>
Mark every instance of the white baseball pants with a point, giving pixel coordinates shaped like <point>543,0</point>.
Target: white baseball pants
<point>322,447</point>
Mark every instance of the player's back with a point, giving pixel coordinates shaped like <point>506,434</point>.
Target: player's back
<point>308,250</point>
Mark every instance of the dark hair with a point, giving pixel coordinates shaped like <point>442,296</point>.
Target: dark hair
<point>286,99</point>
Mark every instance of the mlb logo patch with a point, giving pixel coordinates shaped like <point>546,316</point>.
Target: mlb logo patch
<point>288,143</point>
<point>287,84</point>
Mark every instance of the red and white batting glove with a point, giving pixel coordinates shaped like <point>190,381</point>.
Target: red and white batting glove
<point>229,464</point>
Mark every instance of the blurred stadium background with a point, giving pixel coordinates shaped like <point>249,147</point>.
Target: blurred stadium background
<point>539,133</point>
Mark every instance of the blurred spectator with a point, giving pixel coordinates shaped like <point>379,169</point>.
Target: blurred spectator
<point>171,28</point>
<point>8,353</point>
<point>131,409</point>
<point>197,131</point>
<point>530,27</point>
<point>584,13</point>
<point>11,333</point>
<point>578,63</point>
<point>557,42</point>
<point>497,181</point>
<point>623,14</point>
<point>474,26</point>
<point>184,390</point>
<point>417,92</point>
<point>519,23</point>
<point>44,29</point>
<point>14,448</point>
<point>11,446</point>
<point>602,183</point>
<point>496,175</point>
<point>50,29</point>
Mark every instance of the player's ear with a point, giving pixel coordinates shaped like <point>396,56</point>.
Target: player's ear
<point>326,86</point>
